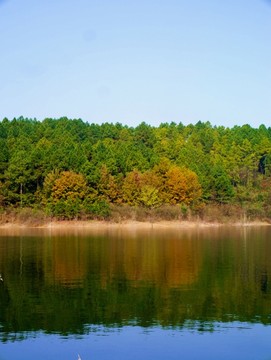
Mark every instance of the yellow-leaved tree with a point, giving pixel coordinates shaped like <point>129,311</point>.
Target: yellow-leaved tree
<point>64,193</point>
<point>69,186</point>
<point>141,189</point>
<point>182,186</point>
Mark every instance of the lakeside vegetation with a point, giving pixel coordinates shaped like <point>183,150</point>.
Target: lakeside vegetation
<point>69,169</point>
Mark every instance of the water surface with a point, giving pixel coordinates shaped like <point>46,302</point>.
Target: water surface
<point>191,294</point>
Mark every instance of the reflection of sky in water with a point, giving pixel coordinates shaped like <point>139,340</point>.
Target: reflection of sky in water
<point>228,341</point>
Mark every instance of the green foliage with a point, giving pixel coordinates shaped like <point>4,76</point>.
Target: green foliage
<point>63,161</point>
<point>96,209</point>
<point>66,209</point>
<point>149,196</point>
<point>221,188</point>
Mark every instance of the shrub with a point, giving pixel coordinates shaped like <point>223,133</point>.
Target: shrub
<point>96,209</point>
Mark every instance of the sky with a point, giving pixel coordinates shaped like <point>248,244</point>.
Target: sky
<point>131,61</point>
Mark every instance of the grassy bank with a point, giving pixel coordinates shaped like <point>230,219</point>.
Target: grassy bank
<point>220,214</point>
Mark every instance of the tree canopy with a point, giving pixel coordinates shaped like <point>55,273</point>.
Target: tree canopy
<point>45,163</point>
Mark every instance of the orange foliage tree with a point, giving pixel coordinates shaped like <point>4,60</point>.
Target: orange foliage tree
<point>182,186</point>
<point>131,188</point>
<point>64,193</point>
<point>164,184</point>
<point>69,186</point>
<point>108,186</point>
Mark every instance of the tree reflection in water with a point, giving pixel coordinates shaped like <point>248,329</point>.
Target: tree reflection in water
<point>66,283</point>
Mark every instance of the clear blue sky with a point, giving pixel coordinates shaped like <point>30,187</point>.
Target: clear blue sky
<point>130,61</point>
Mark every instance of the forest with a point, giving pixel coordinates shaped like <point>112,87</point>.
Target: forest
<point>70,169</point>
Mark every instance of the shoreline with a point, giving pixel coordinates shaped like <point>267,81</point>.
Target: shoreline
<point>129,224</point>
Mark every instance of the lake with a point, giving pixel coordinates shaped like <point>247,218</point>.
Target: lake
<point>201,293</point>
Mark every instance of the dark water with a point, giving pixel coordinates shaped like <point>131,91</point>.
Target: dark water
<point>191,294</point>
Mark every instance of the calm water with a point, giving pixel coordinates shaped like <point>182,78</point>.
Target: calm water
<point>191,294</point>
